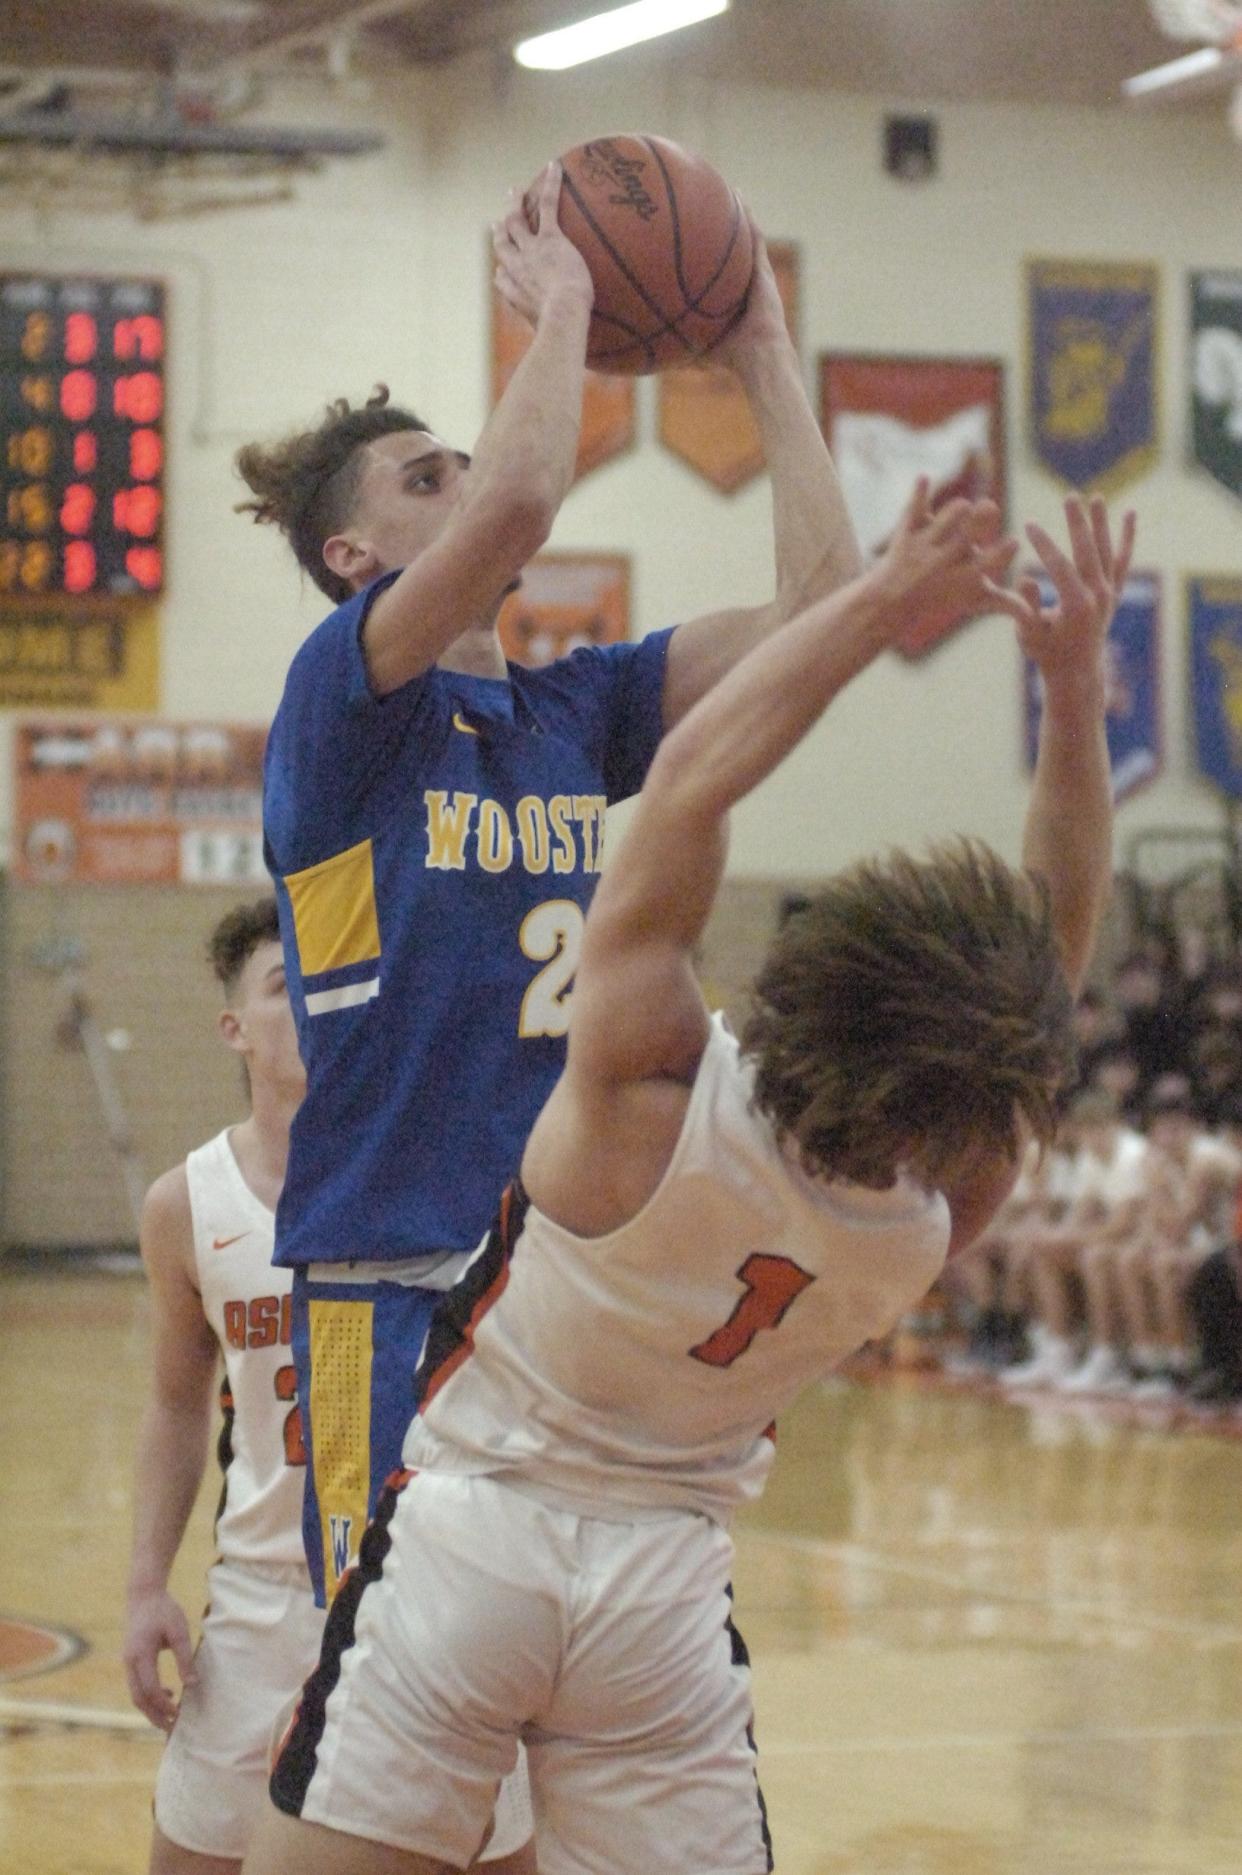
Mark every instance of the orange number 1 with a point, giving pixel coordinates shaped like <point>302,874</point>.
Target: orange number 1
<point>771,1284</point>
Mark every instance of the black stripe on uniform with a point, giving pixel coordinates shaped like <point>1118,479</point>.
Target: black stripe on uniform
<point>739,1656</point>
<point>450,1329</point>
<point>299,1754</point>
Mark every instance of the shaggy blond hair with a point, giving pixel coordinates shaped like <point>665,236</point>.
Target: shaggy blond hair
<point>910,1014</point>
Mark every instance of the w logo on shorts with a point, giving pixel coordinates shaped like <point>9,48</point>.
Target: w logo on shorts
<point>342,1529</point>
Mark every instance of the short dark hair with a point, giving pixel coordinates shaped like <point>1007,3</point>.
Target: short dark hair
<point>909,1013</point>
<point>307,484</point>
<point>238,936</point>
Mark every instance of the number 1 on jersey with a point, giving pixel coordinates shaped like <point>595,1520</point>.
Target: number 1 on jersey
<point>771,1285</point>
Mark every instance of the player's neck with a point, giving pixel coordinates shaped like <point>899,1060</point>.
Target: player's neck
<point>475,653</point>
<point>261,1143</point>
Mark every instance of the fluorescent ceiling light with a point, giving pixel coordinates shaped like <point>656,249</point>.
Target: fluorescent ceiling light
<point>1193,69</point>
<point>612,32</point>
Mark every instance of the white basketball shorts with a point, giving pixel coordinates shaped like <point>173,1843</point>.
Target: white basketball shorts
<point>480,1617</point>
<point>260,1639</point>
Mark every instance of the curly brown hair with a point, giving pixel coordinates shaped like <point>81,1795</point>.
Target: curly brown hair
<point>307,484</point>
<point>909,1014</point>
<point>238,936</point>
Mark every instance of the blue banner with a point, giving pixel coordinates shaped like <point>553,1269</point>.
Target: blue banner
<point>1214,607</point>
<point>1135,738</point>
<point>1092,346</point>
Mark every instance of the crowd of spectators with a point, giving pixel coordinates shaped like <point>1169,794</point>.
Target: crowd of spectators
<point>1114,1267</point>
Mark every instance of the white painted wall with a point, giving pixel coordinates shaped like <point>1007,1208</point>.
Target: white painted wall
<point>378,270</point>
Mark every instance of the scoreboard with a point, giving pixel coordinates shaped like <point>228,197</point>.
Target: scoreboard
<point>81,436</point>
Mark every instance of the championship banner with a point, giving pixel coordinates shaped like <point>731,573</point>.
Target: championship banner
<point>1216,376</point>
<point>150,803</point>
<point>705,415</point>
<point>566,600</point>
<point>1214,612</point>
<point>1132,697</point>
<point>608,424</point>
<point>890,420</point>
<point>78,655</point>
<point>1092,347</point>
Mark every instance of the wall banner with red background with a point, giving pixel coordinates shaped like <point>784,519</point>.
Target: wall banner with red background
<point>111,802</point>
<point>705,415</point>
<point>889,420</point>
<point>608,420</point>
<point>566,600</point>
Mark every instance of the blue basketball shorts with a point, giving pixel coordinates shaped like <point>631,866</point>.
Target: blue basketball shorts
<point>358,1330</point>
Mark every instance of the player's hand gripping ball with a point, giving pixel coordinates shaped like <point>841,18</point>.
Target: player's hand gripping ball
<point>668,244</point>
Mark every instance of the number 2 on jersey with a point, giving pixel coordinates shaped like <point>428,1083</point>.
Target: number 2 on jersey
<point>770,1285</point>
<point>550,935</point>
<point>287,1389</point>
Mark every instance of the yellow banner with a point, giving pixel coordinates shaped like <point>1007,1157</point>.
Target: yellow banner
<point>60,654</point>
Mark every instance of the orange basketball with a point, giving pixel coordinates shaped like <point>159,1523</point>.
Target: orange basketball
<point>669,247</point>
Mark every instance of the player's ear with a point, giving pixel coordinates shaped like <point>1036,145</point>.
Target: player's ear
<point>352,560</point>
<point>229,1024</point>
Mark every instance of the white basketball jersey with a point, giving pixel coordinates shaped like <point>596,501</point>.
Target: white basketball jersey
<point>645,1368</point>
<point>246,1301</point>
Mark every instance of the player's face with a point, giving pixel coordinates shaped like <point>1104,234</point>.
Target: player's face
<point>265,1030</point>
<point>410,484</point>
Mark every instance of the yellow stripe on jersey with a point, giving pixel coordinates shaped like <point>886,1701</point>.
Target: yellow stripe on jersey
<point>340,1403</point>
<point>334,910</point>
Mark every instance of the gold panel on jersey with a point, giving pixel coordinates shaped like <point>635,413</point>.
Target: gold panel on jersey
<point>334,910</point>
<point>340,1404</point>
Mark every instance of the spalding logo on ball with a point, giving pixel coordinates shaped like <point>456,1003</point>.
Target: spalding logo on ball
<point>669,247</point>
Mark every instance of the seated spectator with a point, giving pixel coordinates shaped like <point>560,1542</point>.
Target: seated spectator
<point>1154,1015</point>
<point>1216,1068</point>
<point>1193,1179</point>
<point>993,1274</point>
<point>1070,1264</point>
<point>1115,1071</point>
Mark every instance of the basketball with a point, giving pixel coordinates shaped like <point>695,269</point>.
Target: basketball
<point>669,247</point>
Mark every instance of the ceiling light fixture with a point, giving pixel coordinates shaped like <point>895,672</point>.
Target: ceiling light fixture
<point>612,32</point>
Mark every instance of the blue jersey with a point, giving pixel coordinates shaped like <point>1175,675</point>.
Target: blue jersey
<point>434,853</point>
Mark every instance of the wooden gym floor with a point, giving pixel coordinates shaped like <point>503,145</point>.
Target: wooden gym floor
<point>988,1640</point>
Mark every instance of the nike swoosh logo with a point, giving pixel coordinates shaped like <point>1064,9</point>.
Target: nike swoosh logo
<point>222,1243</point>
<point>459,722</point>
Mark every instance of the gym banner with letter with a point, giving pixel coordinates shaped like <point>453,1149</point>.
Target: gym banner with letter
<point>111,802</point>
<point>888,421</point>
<point>1092,383</point>
<point>705,415</point>
<point>566,600</point>
<point>608,404</point>
<point>1214,617</point>
<point>1132,702</point>
<point>1216,376</point>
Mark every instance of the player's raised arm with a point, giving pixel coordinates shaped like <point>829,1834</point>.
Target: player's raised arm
<point>521,469</point>
<point>630,1014</point>
<point>816,551</point>
<point>172,1447</point>
<point>1069,824</point>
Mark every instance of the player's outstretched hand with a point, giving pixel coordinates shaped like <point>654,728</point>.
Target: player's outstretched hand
<point>155,1623</point>
<point>953,557</point>
<point>1066,640</point>
<point>535,265</point>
